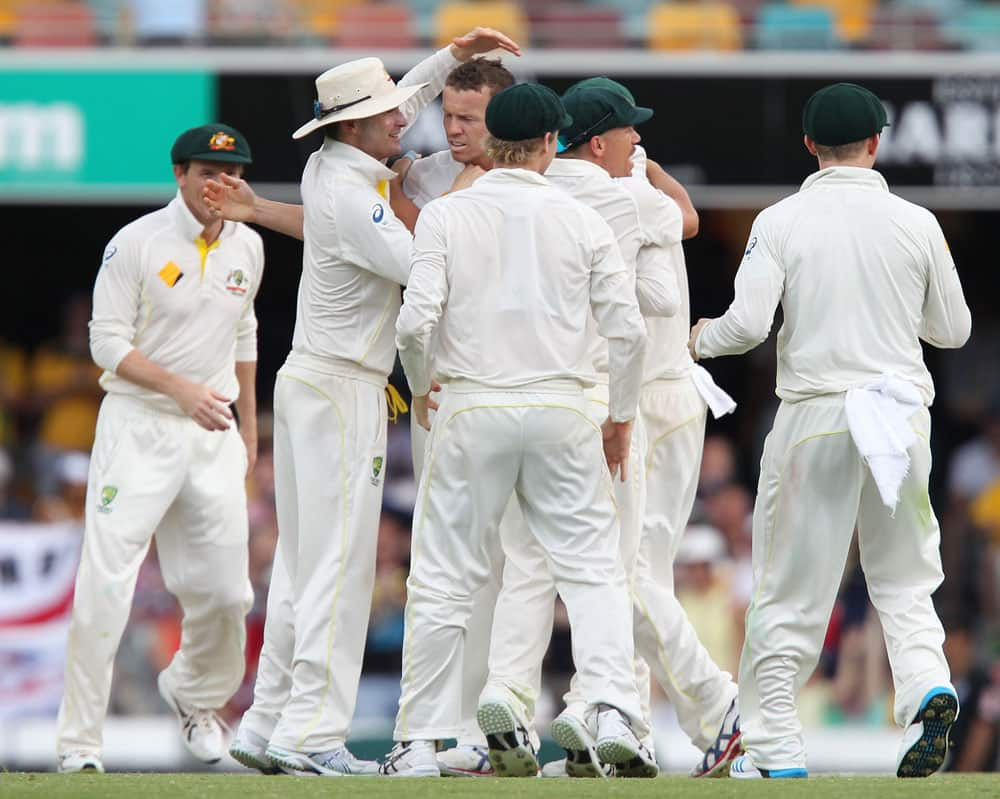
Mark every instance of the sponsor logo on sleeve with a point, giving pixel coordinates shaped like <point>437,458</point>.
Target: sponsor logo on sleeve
<point>750,245</point>
<point>378,213</point>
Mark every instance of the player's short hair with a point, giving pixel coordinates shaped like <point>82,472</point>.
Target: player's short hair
<point>513,152</point>
<point>476,73</point>
<point>842,152</point>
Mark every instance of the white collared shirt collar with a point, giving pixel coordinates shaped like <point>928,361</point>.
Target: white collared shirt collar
<point>838,175</point>
<point>576,167</point>
<point>357,160</point>
<point>513,175</point>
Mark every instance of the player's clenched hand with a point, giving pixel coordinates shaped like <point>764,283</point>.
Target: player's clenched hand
<point>208,408</point>
<point>695,332</point>
<point>421,411</point>
<point>231,198</point>
<point>482,40</point>
<point>617,441</point>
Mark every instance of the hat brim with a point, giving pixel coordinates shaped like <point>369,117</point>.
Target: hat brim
<point>220,155</point>
<point>363,110</point>
<point>641,115</point>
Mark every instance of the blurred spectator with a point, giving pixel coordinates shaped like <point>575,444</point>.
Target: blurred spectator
<point>976,463</point>
<point>977,731</point>
<point>10,507</point>
<point>250,22</point>
<point>64,394</point>
<point>718,464</point>
<point>168,22</point>
<point>706,596</point>
<point>858,663</point>
<point>13,380</point>
<point>69,504</point>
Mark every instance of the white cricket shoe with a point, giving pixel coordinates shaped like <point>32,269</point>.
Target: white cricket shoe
<point>925,739</point>
<point>77,762</point>
<point>465,760</point>
<point>576,739</point>
<point>555,768</point>
<point>617,744</point>
<point>201,729</point>
<point>743,768</point>
<point>411,759</point>
<point>338,762</point>
<point>726,746</point>
<point>511,751</point>
<point>250,749</point>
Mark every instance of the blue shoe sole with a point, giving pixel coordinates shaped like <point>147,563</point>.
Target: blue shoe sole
<point>926,756</point>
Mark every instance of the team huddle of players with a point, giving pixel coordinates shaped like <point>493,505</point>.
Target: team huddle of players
<point>558,420</point>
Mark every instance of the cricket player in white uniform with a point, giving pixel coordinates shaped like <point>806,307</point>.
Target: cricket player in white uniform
<point>174,328</point>
<point>862,276</point>
<point>467,91</point>
<point>598,147</point>
<point>330,413</point>
<point>510,341</point>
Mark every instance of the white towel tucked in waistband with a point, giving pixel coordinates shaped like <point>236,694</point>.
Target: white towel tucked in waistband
<point>715,398</point>
<point>878,416</point>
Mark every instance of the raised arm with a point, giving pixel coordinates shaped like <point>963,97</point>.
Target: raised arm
<point>660,179</point>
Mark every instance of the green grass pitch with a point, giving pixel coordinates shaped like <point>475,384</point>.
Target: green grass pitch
<point>16,785</point>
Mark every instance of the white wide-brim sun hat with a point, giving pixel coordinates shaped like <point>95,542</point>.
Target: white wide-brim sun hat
<point>355,90</point>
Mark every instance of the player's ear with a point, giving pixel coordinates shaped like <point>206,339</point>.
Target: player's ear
<point>596,145</point>
<point>873,143</point>
<point>810,144</point>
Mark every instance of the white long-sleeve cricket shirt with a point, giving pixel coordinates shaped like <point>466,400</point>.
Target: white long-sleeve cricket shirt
<point>862,276</point>
<point>507,274</point>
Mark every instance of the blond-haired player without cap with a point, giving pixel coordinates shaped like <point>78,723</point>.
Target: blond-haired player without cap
<point>862,277</point>
<point>510,341</point>
<point>174,329</point>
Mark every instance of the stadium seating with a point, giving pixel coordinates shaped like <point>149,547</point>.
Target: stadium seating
<point>852,18</point>
<point>565,25</point>
<point>454,19</point>
<point>376,25</point>
<point>54,24</point>
<point>781,27</point>
<point>906,29</point>
<point>319,18</point>
<point>702,26</point>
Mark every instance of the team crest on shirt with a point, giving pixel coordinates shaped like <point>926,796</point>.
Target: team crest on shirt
<point>237,283</point>
<point>377,462</point>
<point>108,494</point>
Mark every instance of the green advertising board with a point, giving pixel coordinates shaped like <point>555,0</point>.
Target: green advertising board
<point>99,135</point>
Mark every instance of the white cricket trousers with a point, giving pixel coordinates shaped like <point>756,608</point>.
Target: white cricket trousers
<point>814,487</point>
<point>523,618</point>
<point>477,634</point>
<point>674,414</point>
<point>329,468</point>
<point>485,446</point>
<point>157,473</point>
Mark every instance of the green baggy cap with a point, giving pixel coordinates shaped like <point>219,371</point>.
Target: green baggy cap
<point>213,142</point>
<point>843,113</point>
<point>598,105</point>
<point>525,111</point>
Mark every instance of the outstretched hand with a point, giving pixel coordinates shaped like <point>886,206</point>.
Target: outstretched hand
<point>230,198</point>
<point>482,40</point>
